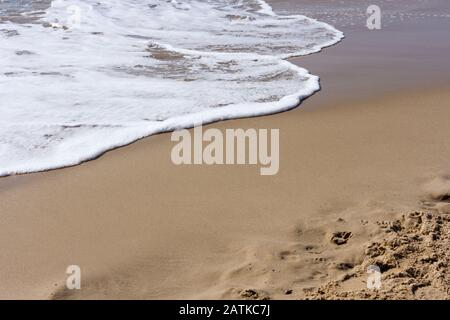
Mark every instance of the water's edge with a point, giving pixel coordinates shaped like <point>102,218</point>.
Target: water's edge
<point>235,111</point>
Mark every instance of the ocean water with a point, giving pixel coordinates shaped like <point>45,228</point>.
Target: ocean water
<point>80,77</point>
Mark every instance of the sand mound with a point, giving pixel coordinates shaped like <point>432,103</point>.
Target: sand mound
<point>335,258</point>
<point>412,255</point>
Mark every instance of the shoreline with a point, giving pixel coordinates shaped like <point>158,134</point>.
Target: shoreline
<point>74,147</point>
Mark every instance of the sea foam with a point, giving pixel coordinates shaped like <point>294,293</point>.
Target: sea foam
<point>74,86</point>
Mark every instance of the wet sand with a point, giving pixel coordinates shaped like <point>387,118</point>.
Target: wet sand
<point>354,158</point>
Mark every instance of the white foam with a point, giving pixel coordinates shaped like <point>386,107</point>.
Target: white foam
<point>138,67</point>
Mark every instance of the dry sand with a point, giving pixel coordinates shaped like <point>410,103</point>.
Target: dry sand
<point>363,180</point>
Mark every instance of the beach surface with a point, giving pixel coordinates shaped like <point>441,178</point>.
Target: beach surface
<point>363,180</point>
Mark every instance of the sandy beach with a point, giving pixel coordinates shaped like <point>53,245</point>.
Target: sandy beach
<point>364,180</point>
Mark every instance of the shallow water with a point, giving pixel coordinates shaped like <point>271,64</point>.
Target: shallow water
<point>350,14</point>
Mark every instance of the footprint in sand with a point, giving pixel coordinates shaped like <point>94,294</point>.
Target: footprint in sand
<point>438,189</point>
<point>341,237</point>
